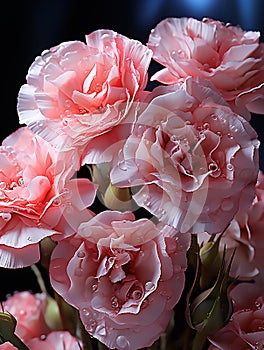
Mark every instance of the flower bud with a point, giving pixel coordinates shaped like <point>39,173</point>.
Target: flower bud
<point>7,331</point>
<point>7,326</point>
<point>52,314</point>
<point>100,175</point>
<point>210,258</point>
<point>116,198</point>
<point>212,308</point>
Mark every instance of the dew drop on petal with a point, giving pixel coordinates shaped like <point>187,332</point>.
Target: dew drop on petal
<point>230,167</point>
<point>81,254</point>
<point>78,271</point>
<point>86,312</point>
<point>122,165</point>
<point>227,205</point>
<point>122,342</point>
<point>259,346</point>
<point>6,216</point>
<point>90,325</point>
<point>149,286</point>
<point>101,330</point>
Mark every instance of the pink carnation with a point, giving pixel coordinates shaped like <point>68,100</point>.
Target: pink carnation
<point>77,91</point>
<point>123,275</point>
<point>192,161</point>
<point>28,310</point>
<point>245,234</point>
<point>245,330</point>
<point>38,195</point>
<point>232,59</point>
<point>56,340</point>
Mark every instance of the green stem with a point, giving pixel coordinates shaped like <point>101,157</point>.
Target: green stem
<point>17,342</point>
<point>199,341</point>
<point>86,340</point>
<point>68,314</point>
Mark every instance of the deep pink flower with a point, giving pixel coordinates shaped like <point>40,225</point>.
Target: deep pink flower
<point>232,59</point>
<point>56,340</point>
<point>28,310</point>
<point>123,275</point>
<point>192,161</point>
<point>38,196</point>
<point>77,91</point>
<point>245,330</point>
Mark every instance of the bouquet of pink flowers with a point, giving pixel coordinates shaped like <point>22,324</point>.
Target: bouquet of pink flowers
<point>141,211</point>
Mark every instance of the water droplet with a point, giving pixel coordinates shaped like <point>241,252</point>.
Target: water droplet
<point>56,202</point>
<point>149,286</point>
<point>2,185</point>
<point>259,346</point>
<point>257,305</point>
<point>101,330</point>
<point>206,126</point>
<point>181,53</point>
<point>122,165</point>
<point>229,167</point>
<point>86,312</point>
<point>174,138</point>
<point>78,271</point>
<point>136,294</point>
<point>90,325</point>
<point>227,205</point>
<point>43,337</point>
<point>114,302</point>
<point>13,185</point>
<point>20,181</point>
<point>230,136</point>
<point>214,116</point>
<point>81,254</point>
<point>68,103</point>
<point>213,167</point>
<point>6,216</point>
<point>94,287</point>
<point>98,87</point>
<point>122,342</point>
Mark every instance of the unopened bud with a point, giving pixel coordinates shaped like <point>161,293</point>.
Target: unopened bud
<point>101,175</point>
<point>210,258</point>
<point>212,308</point>
<point>116,198</point>
<point>7,326</point>
<point>7,331</point>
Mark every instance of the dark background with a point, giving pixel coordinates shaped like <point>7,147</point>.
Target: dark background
<point>29,27</point>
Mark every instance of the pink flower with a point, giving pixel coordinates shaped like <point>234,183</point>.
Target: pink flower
<point>123,275</point>
<point>28,310</point>
<point>192,161</point>
<point>38,195</point>
<point>56,340</point>
<point>245,235</point>
<point>232,59</point>
<point>245,330</point>
<point>77,91</point>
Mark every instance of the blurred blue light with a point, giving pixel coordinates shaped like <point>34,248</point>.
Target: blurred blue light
<point>199,6</point>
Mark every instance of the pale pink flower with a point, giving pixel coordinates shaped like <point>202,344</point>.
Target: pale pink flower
<point>38,196</point>
<point>245,330</point>
<point>123,275</point>
<point>192,162</point>
<point>77,91</point>
<point>232,59</point>
<point>28,310</point>
<point>56,340</point>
